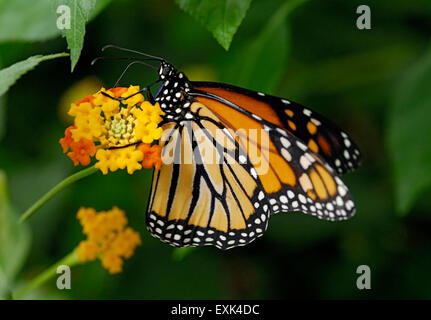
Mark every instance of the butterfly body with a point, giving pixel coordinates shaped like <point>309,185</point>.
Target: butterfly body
<point>225,199</point>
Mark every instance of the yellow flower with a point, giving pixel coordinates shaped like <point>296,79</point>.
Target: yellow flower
<point>87,217</point>
<point>90,127</point>
<point>129,158</point>
<point>88,121</point>
<point>107,160</point>
<point>147,133</point>
<point>83,109</point>
<point>108,238</point>
<point>137,98</point>
<point>121,158</point>
<point>109,106</point>
<point>112,262</point>
<point>118,219</point>
<point>148,113</point>
<point>124,244</point>
<point>87,251</point>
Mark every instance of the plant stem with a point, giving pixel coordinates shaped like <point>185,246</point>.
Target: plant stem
<point>70,260</point>
<point>51,193</point>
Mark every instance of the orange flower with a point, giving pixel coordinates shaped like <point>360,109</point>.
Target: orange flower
<point>67,140</point>
<point>118,91</point>
<point>82,151</point>
<point>152,156</point>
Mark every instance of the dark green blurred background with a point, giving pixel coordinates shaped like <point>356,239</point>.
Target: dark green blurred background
<point>347,74</point>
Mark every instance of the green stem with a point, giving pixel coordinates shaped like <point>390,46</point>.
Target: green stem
<point>70,260</point>
<point>51,193</point>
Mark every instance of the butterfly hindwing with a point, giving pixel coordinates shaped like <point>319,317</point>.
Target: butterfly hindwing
<point>317,191</point>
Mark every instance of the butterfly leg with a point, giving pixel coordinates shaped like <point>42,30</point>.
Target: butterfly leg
<point>124,98</point>
<point>150,96</point>
<point>146,88</point>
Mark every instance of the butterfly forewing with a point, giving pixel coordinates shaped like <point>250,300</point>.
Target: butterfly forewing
<point>318,133</point>
<point>293,177</point>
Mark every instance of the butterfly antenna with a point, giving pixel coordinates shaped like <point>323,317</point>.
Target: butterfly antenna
<point>124,58</point>
<point>132,51</point>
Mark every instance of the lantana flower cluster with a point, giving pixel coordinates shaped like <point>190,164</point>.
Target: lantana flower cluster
<point>119,134</point>
<point>108,238</point>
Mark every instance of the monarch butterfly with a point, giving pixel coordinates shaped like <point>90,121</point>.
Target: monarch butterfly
<point>228,204</point>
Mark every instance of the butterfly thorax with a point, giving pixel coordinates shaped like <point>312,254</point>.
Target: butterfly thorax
<point>173,93</point>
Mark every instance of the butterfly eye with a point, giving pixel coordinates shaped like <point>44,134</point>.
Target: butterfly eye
<point>166,70</point>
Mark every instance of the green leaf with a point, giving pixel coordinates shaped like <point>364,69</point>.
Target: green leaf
<point>87,7</point>
<point>221,17</point>
<point>14,239</point>
<point>24,20</point>
<point>409,134</point>
<point>260,65</point>
<point>79,13</point>
<point>10,75</point>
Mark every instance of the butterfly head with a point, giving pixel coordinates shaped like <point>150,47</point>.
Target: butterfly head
<point>166,70</point>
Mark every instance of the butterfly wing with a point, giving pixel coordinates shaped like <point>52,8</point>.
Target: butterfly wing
<point>225,200</point>
<point>203,195</point>
<point>294,177</point>
<point>318,133</point>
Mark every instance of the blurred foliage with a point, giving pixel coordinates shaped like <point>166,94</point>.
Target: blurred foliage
<point>8,76</point>
<point>251,59</point>
<point>373,83</point>
<point>2,118</point>
<point>180,254</point>
<point>409,130</point>
<point>14,240</point>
